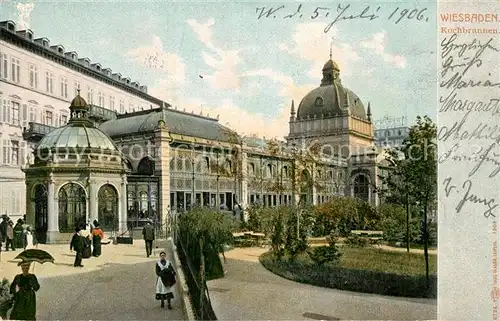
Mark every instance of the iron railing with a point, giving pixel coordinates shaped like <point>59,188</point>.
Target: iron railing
<point>198,290</point>
<point>101,113</point>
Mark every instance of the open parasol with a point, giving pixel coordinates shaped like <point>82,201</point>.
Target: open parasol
<point>35,255</point>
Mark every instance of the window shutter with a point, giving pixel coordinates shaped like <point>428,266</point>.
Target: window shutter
<point>24,111</point>
<point>22,153</point>
<point>8,112</point>
<point>1,109</point>
<point>4,111</point>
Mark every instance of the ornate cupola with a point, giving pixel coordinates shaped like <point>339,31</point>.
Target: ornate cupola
<point>331,72</point>
<point>79,111</point>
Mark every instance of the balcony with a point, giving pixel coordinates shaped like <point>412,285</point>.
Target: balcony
<point>35,131</point>
<point>101,114</point>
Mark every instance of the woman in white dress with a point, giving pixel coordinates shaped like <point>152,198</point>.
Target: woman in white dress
<point>28,239</point>
<point>165,280</point>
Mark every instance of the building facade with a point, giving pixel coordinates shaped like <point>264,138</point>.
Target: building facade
<point>38,80</point>
<point>120,156</point>
<point>392,137</point>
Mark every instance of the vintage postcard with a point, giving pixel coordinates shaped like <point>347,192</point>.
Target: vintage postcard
<point>249,160</point>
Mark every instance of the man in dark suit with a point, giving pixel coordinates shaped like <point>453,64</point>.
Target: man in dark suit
<point>148,233</point>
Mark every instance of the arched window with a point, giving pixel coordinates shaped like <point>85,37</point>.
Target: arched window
<point>269,169</point>
<point>146,166</point>
<point>129,165</point>
<point>187,164</point>
<point>285,171</point>
<point>206,164</point>
<point>108,207</point>
<point>41,214</point>
<point>361,187</point>
<point>251,169</point>
<point>72,207</point>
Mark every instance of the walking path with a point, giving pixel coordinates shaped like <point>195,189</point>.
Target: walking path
<point>118,285</point>
<point>248,291</point>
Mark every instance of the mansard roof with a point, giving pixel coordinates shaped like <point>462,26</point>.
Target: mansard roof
<point>41,46</point>
<point>177,122</point>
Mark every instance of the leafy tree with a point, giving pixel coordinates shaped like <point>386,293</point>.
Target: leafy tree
<point>214,229</point>
<point>414,176</point>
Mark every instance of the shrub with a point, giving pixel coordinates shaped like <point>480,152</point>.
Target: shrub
<point>324,254</point>
<point>356,241</point>
<point>296,247</point>
<point>5,298</point>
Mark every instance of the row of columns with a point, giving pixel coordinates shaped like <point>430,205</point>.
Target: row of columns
<point>92,210</point>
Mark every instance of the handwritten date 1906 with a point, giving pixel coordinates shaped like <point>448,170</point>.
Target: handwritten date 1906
<point>466,196</point>
<point>343,12</point>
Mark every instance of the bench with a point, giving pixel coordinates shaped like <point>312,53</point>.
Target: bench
<point>248,238</point>
<point>374,237</point>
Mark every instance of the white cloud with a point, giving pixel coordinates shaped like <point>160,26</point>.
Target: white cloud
<point>23,13</point>
<point>378,42</point>
<point>313,45</point>
<point>223,62</point>
<point>241,120</point>
<point>171,69</point>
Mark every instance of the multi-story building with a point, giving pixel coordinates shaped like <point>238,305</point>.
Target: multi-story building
<point>391,137</point>
<point>37,82</point>
<point>118,154</point>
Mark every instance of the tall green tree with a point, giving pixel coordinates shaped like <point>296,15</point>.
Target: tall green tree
<point>414,178</point>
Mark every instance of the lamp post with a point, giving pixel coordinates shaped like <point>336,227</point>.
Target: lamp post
<point>192,174</point>
<point>217,197</point>
<point>294,186</point>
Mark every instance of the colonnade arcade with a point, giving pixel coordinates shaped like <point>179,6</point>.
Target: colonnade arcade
<point>202,177</point>
<point>56,206</point>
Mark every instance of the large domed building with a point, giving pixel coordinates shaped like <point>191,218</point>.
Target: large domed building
<point>333,114</point>
<point>77,176</point>
<point>337,118</point>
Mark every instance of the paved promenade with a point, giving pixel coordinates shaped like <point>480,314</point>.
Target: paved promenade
<point>118,285</point>
<point>250,292</point>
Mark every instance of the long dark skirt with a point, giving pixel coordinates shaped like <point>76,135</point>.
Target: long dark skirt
<point>87,248</point>
<point>24,306</point>
<point>96,240</point>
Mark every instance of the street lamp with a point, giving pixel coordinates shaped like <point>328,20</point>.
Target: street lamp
<point>192,174</point>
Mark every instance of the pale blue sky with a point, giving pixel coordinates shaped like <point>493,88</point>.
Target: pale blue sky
<point>252,68</point>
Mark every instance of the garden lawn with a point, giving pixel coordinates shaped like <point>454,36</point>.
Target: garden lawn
<point>367,269</point>
<point>379,260</point>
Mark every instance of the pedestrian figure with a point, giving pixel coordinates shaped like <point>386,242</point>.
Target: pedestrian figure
<point>3,229</point>
<point>19,233</point>
<point>10,236</point>
<point>77,245</point>
<point>29,240</point>
<point>148,234</point>
<point>165,280</point>
<point>97,236</point>
<point>23,288</point>
<point>87,242</point>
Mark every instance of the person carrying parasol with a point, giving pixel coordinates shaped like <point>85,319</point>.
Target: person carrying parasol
<point>23,289</point>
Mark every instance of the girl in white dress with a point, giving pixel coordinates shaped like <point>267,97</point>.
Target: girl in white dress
<point>165,280</point>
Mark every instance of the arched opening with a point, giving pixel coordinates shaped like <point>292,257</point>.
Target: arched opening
<point>143,205</point>
<point>72,207</point>
<point>146,166</point>
<point>305,188</point>
<point>108,207</point>
<point>361,187</point>
<point>129,166</point>
<point>41,213</point>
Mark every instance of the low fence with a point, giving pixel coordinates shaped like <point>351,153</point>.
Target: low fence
<point>200,297</point>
